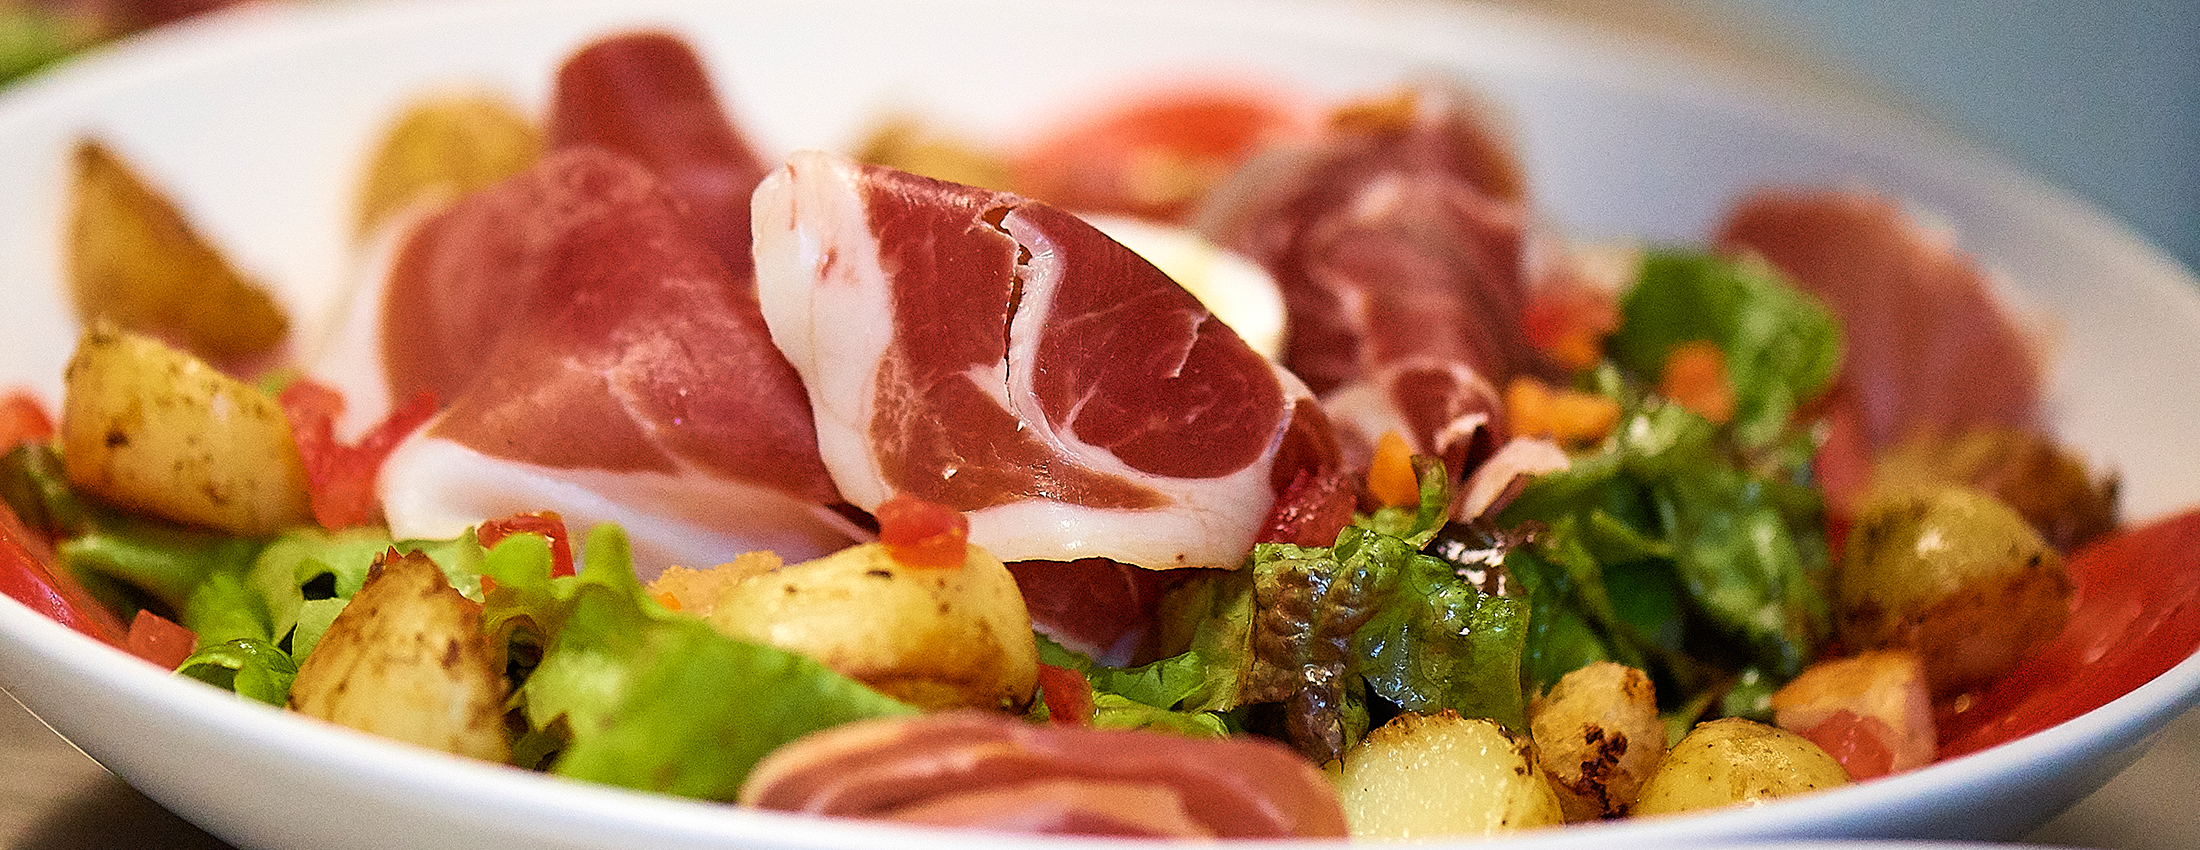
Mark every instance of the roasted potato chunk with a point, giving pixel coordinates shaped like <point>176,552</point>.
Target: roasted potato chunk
<point>934,637</point>
<point>1957,577</point>
<point>407,660</point>
<point>1598,736</point>
<point>1430,776</point>
<point>441,148</point>
<point>133,259</point>
<point>1736,762</point>
<point>1884,690</point>
<point>152,428</point>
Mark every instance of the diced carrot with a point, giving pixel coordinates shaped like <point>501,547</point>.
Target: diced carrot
<point>1694,376</point>
<point>1390,475</point>
<point>1566,416</point>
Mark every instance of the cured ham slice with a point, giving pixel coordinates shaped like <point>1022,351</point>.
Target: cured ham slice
<point>994,772</point>
<point>1401,244</point>
<point>646,95</point>
<point>623,373</point>
<point>999,356</point>
<point>592,329</point>
<point>1401,233</point>
<point>1443,408</point>
<point>1929,348</point>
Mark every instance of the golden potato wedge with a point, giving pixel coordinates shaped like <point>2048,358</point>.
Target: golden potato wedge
<point>407,660</point>
<point>441,148</point>
<point>934,637</point>
<point>1598,736</point>
<point>904,141</point>
<point>1954,575</point>
<point>134,260</point>
<point>150,427</point>
<point>1429,776</point>
<point>1736,762</point>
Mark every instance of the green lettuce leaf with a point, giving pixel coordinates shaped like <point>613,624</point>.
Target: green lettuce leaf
<point>631,694</point>
<point>254,669</point>
<point>1782,347</point>
<point>1680,536</point>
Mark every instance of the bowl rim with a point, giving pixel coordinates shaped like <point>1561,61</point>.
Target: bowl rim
<point>26,634</point>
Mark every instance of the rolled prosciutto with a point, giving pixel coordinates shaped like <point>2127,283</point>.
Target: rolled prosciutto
<point>630,377</point>
<point>592,328</point>
<point>1929,348</point>
<point>1001,357</point>
<point>1401,242</point>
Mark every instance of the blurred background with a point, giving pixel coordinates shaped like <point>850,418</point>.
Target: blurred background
<point>2099,97</point>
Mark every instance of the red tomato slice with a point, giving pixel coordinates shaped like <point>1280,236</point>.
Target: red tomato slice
<point>160,640</point>
<point>1068,695</point>
<point>341,478</point>
<point>1153,156</point>
<point>2136,614</point>
<point>23,420</point>
<point>546,523</point>
<point>27,575</point>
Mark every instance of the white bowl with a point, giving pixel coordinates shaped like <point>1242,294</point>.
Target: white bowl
<point>259,121</point>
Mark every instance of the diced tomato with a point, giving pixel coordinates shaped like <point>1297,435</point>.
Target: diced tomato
<point>1067,694</point>
<point>23,420</point>
<point>1569,321</point>
<point>2136,613</point>
<point>546,523</point>
<point>160,640</point>
<point>923,534</point>
<point>1565,415</point>
<point>341,478</point>
<point>27,574</point>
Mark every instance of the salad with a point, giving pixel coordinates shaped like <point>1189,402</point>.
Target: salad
<point>1629,507</point>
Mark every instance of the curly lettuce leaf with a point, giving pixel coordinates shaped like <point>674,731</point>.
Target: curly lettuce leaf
<point>1315,630</point>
